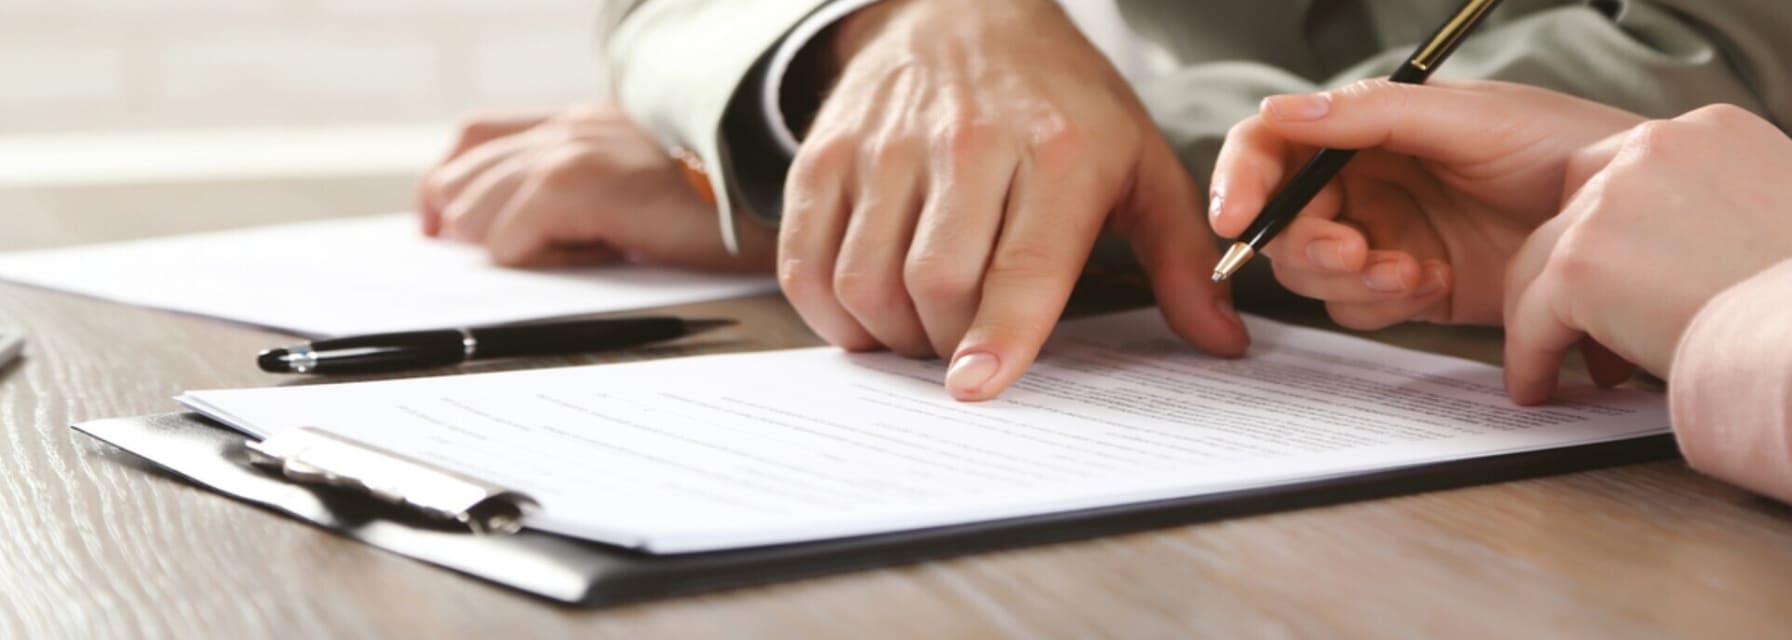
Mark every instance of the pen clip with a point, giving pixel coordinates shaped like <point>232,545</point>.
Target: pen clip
<point>314,456</point>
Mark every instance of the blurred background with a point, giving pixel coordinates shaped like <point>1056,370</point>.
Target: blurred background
<point>313,107</point>
<point>198,114</point>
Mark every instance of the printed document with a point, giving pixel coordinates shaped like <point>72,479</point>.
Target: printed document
<point>730,451</point>
<point>354,275</point>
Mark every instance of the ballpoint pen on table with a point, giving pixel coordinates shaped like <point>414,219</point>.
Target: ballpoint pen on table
<point>442,347</point>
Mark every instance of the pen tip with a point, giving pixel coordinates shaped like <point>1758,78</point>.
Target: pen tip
<point>1234,260</point>
<point>273,361</point>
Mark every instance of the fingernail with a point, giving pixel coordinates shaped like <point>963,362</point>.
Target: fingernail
<point>1384,277</point>
<point>1434,282</point>
<point>1327,254</point>
<point>969,372</point>
<point>1297,107</point>
<point>1215,203</point>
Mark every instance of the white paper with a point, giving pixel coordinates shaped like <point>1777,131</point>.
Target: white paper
<point>356,275</point>
<point>731,451</point>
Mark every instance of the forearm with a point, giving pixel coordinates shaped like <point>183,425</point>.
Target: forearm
<point>1731,385</point>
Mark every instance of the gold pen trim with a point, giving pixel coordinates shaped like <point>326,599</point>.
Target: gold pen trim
<point>1452,32</point>
<point>1236,256</point>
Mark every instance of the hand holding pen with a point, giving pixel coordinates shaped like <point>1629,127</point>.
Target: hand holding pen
<point>1281,210</point>
<point>1451,179</point>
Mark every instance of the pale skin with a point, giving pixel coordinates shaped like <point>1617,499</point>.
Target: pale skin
<point>1567,222</point>
<point>942,203</point>
<point>950,190</point>
<point>583,185</point>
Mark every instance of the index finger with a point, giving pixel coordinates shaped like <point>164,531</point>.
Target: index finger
<point>1251,163</point>
<point>1054,214</point>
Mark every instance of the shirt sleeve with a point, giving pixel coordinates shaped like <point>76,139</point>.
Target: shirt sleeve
<point>1730,388</point>
<point>779,66</point>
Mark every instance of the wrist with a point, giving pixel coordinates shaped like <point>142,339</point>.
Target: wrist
<point>860,30</point>
<point>857,30</point>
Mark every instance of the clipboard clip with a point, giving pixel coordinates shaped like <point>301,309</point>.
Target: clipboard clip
<point>314,456</point>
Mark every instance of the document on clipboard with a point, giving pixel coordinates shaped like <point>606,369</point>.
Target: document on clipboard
<point>740,451</point>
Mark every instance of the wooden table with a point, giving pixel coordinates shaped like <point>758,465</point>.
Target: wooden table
<point>93,544</point>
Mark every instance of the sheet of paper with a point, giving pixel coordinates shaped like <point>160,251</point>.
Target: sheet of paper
<point>356,275</point>
<point>732,451</point>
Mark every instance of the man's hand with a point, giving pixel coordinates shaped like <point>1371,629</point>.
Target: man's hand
<point>580,186</point>
<point>953,184</point>
<point>1671,214</point>
<point>1421,225</point>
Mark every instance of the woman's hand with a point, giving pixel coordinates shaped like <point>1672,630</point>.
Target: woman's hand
<point>952,186</point>
<point>1666,217</point>
<point>1452,179</point>
<point>579,186</point>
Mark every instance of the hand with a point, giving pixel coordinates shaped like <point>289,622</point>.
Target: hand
<point>1671,214</point>
<point>953,184</point>
<point>580,186</point>
<point>1421,225</point>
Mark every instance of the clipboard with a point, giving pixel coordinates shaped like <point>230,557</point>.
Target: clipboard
<point>591,574</point>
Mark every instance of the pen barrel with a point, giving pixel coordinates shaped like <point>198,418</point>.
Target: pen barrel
<point>1288,202</point>
<point>389,352</point>
<point>597,335</point>
<point>1410,74</point>
<point>432,340</point>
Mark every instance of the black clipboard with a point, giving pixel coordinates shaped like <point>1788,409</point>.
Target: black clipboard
<point>587,573</point>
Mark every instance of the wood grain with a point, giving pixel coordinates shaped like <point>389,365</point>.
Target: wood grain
<point>93,545</point>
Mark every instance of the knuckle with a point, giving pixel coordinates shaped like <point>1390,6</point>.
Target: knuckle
<point>863,291</point>
<point>1652,140</point>
<point>891,150</point>
<point>1722,114</point>
<point>801,280</point>
<point>569,167</point>
<point>964,140</point>
<point>822,156</point>
<point>1059,143</point>
<point>940,278</point>
<point>1575,260</point>
<point>1016,328</point>
<point>1025,261</point>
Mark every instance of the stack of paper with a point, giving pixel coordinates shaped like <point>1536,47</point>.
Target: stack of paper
<point>359,275</point>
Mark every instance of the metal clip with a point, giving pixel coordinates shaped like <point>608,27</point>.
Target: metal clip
<point>315,456</point>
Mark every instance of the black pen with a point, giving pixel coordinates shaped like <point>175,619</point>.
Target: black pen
<point>442,347</point>
<point>1306,184</point>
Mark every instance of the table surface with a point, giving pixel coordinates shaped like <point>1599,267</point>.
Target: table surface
<point>93,544</point>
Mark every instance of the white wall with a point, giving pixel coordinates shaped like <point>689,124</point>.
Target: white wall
<point>86,65</point>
